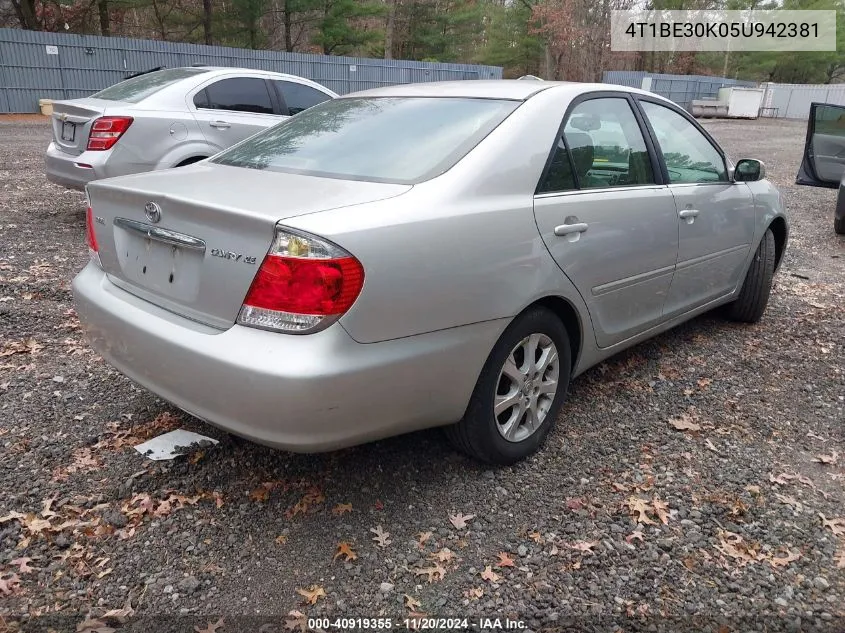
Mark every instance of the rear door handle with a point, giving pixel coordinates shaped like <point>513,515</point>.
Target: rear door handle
<point>569,229</point>
<point>220,125</point>
<point>689,215</point>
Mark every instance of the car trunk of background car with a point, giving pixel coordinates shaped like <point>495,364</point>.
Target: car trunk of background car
<point>72,122</point>
<point>191,242</point>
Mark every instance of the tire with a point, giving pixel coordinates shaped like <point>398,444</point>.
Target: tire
<point>839,225</point>
<point>754,295</point>
<point>481,434</point>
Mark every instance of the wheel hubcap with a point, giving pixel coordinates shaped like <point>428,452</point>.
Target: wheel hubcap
<point>526,388</point>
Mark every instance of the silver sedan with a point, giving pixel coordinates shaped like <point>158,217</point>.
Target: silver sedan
<point>424,255</point>
<point>169,118</point>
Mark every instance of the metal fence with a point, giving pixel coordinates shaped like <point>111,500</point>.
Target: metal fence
<point>36,65</point>
<point>792,101</point>
<point>682,89</point>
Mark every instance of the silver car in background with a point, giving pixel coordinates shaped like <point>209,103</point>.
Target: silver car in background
<point>169,118</point>
<point>423,255</point>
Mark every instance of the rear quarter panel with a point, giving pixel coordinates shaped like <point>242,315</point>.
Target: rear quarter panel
<point>461,248</point>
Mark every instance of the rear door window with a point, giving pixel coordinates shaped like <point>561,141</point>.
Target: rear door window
<point>237,94</point>
<point>606,149</point>
<point>299,97</point>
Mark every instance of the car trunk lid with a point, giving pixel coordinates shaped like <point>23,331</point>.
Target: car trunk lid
<point>72,122</point>
<point>191,240</point>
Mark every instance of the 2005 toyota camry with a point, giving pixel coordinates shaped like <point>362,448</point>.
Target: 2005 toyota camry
<point>423,255</point>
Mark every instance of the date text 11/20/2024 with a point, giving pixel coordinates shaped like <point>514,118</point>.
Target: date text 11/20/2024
<point>415,624</point>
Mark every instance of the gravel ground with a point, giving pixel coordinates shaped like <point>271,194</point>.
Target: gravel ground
<point>621,523</point>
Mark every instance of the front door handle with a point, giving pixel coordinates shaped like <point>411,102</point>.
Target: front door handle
<point>220,125</point>
<point>569,229</point>
<point>689,215</point>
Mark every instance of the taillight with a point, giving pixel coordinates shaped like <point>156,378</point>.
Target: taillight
<point>304,284</point>
<point>91,236</point>
<point>106,131</point>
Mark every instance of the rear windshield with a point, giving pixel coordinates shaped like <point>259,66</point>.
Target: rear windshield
<point>402,140</point>
<point>138,88</point>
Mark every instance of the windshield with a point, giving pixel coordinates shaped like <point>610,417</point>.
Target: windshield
<point>402,140</point>
<point>138,88</point>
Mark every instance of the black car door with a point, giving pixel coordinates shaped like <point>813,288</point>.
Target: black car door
<point>823,164</point>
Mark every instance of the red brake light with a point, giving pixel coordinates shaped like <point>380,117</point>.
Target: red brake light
<point>106,131</point>
<point>320,287</point>
<point>304,284</point>
<point>90,236</point>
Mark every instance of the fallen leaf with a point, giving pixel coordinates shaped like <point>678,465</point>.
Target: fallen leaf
<point>312,594</point>
<point>536,537</point>
<point>639,509</point>
<point>584,546</point>
<point>783,561</point>
<point>435,572</point>
<point>474,593</point>
<point>754,490</point>
<point>93,626</point>
<point>342,508</point>
<point>211,628</point>
<point>281,539</point>
<point>661,509</point>
<point>703,383</point>
<point>504,560</point>
<point>296,620</point>
<point>836,525</point>
<point>9,583</point>
<point>12,516</point>
<point>47,512</point>
<point>345,549</point>
<point>489,575</point>
<point>28,346</point>
<point>460,520</point>
<point>423,537</point>
<point>121,615</point>
<point>378,505</point>
<point>260,494</point>
<point>445,555</point>
<point>636,534</point>
<point>381,536</point>
<point>577,503</point>
<point>827,459</point>
<point>839,559</point>
<point>411,603</point>
<point>710,445</point>
<point>684,422</point>
<point>735,546</point>
<point>23,565</point>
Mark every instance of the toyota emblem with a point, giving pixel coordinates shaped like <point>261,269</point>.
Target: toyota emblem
<point>153,212</point>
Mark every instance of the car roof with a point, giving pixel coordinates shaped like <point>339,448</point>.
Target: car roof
<point>519,89</point>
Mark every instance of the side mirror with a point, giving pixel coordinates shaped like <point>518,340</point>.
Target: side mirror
<point>749,170</point>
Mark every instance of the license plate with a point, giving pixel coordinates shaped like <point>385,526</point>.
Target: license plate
<point>164,269</point>
<point>68,131</point>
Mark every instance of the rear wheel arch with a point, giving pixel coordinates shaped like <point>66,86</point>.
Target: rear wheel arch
<point>566,312</point>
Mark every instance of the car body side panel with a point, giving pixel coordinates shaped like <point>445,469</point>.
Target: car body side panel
<point>461,248</point>
<point>714,245</point>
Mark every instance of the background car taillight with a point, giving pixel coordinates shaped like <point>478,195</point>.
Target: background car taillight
<point>91,236</point>
<point>106,131</point>
<point>304,284</point>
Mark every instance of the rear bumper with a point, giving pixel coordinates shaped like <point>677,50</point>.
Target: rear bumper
<point>301,393</point>
<point>65,169</point>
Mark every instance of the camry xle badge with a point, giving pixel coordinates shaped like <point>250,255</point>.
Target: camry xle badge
<point>153,212</point>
